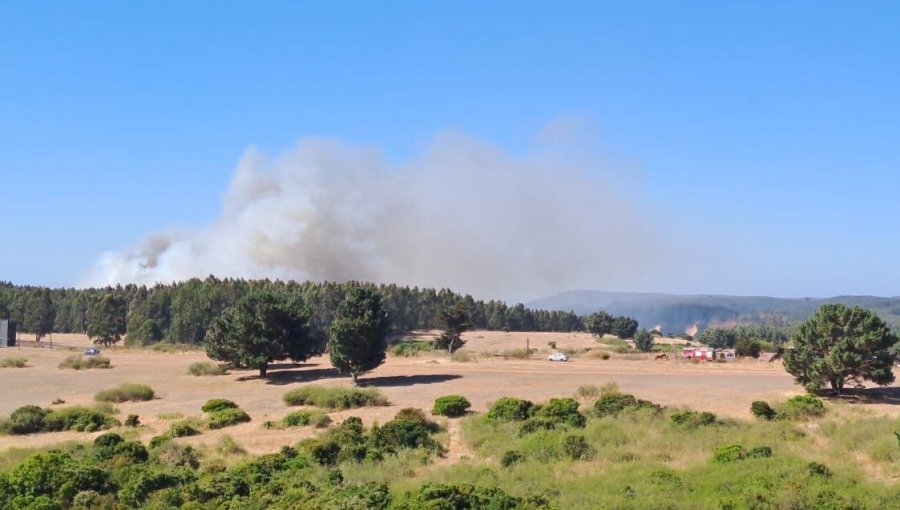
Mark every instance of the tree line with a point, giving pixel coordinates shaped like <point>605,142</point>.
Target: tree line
<point>183,312</point>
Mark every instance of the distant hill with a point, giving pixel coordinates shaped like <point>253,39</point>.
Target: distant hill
<point>677,313</point>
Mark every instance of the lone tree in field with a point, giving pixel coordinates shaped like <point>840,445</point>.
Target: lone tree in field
<point>455,321</point>
<point>357,337</point>
<point>107,320</point>
<point>840,345</point>
<point>260,328</point>
<point>643,341</point>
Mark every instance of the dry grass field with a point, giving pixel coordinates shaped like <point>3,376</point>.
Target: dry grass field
<point>724,388</point>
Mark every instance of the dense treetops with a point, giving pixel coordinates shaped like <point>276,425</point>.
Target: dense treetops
<point>840,345</point>
<point>182,312</point>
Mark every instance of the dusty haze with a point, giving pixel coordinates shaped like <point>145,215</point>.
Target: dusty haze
<point>462,214</point>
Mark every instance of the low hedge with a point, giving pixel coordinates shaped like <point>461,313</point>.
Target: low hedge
<point>452,406</point>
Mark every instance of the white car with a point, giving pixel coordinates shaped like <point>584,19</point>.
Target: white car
<point>558,356</point>
<point>91,351</point>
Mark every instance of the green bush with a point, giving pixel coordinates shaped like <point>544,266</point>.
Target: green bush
<point>79,362</point>
<point>577,448</point>
<point>693,419</point>
<point>816,469</point>
<point>510,409</point>
<point>801,407</point>
<point>227,418</point>
<point>26,420</point>
<point>397,434</point>
<point>762,410</point>
<point>561,410</point>
<point>303,418</point>
<point>459,497</point>
<point>334,398</point>
<point>411,348</point>
<point>511,457</point>
<point>13,363</point>
<point>108,440</point>
<point>177,429</point>
<point>126,392</point>
<point>218,404</point>
<point>78,418</point>
<point>729,453</point>
<point>612,403</point>
<point>206,368</point>
<point>532,425</point>
<point>451,406</point>
<point>759,452</point>
<point>132,420</point>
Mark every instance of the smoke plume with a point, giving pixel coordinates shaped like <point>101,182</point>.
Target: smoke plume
<point>463,214</point>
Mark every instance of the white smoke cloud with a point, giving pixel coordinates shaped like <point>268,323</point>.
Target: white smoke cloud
<point>464,214</point>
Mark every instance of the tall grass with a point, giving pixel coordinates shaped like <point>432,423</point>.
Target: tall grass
<point>126,392</point>
<point>463,357</point>
<point>79,362</point>
<point>206,368</point>
<point>13,363</point>
<point>334,398</point>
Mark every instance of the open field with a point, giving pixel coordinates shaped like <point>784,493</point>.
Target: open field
<point>726,389</point>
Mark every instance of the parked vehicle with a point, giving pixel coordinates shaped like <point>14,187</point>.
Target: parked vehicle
<point>91,351</point>
<point>558,356</point>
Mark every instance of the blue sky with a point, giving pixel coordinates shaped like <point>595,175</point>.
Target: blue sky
<point>767,128</point>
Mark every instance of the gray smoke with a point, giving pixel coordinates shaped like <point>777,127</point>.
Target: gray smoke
<point>464,214</point>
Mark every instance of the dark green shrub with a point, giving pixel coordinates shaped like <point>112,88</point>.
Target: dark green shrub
<point>611,404</point>
<point>304,418</point>
<point>125,393</point>
<point>801,407</point>
<point>459,497</point>
<point>760,452</point>
<point>762,410</point>
<point>532,425</point>
<point>335,477</point>
<point>511,457</point>
<point>561,410</point>
<point>81,419</point>
<point>227,418</point>
<point>693,419</point>
<point>334,398</point>
<point>451,406</point>
<point>397,434</point>
<point>510,409</point>
<point>816,469</point>
<point>325,453</point>
<point>26,420</point>
<point>729,453</point>
<point>577,448</point>
<point>107,440</point>
<point>218,404</point>
<point>132,451</point>
<point>132,420</point>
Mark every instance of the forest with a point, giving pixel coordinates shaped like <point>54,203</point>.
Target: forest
<point>182,312</point>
